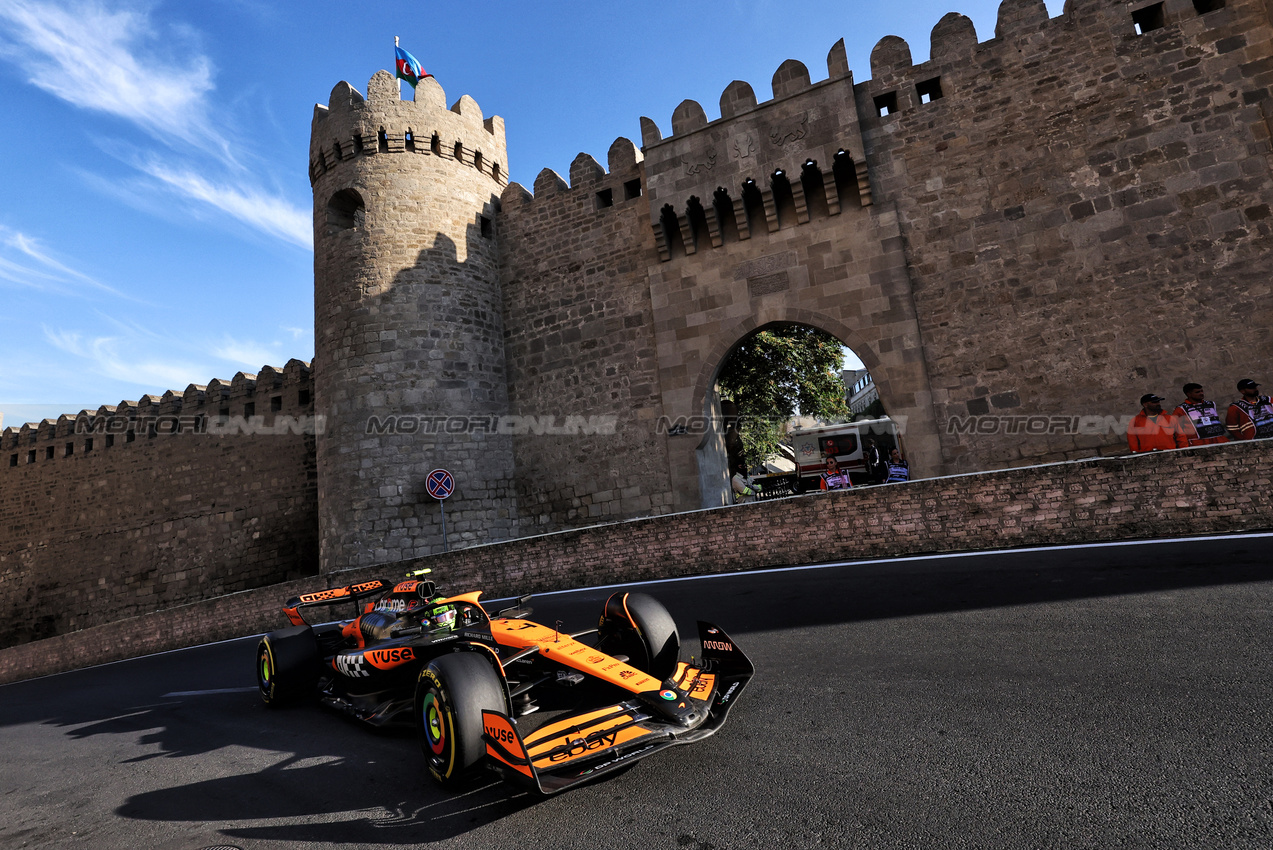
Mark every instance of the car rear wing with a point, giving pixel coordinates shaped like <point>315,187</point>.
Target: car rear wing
<point>353,593</point>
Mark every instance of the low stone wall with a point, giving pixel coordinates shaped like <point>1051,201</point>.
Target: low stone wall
<point>1209,490</point>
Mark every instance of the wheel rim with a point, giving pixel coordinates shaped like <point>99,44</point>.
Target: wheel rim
<point>439,733</point>
<point>265,671</point>
<point>435,731</point>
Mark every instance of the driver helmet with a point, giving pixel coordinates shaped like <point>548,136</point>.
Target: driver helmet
<point>441,618</point>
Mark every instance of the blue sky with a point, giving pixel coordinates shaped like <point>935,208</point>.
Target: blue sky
<point>154,203</point>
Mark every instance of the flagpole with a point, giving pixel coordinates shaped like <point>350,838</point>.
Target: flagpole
<point>395,66</point>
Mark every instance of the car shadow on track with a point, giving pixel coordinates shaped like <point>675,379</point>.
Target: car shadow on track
<point>329,780</point>
<point>183,739</point>
<point>332,803</point>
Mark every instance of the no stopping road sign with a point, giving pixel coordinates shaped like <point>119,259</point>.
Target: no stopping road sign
<point>440,484</point>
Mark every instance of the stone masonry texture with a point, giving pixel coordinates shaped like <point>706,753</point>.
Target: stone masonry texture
<point>1085,211</point>
<point>409,321</point>
<point>126,514</point>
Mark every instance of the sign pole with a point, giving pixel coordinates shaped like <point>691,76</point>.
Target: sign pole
<point>442,506</point>
<point>440,484</point>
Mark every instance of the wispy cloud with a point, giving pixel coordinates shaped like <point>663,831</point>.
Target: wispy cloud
<point>111,60</point>
<point>25,262</point>
<point>114,357</point>
<point>116,351</point>
<point>249,354</point>
<point>251,206</point>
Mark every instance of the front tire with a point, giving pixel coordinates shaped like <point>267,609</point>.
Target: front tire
<point>287,666</point>
<point>638,626</point>
<point>451,694</point>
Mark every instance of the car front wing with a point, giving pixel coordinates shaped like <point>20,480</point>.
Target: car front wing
<point>580,747</point>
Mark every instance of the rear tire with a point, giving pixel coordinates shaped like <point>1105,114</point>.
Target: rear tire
<point>287,666</point>
<point>638,626</point>
<point>450,696</point>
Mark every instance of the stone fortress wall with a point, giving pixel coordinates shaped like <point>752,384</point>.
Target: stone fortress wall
<point>158,502</point>
<point>580,344</point>
<point>1046,223</point>
<point>1049,222</point>
<point>1085,211</point>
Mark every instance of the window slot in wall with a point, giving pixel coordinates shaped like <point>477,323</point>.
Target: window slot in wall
<point>929,90</point>
<point>1148,19</point>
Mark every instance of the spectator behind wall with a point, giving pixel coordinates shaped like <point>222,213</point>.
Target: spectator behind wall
<point>898,469</point>
<point>835,478</point>
<point>743,485</point>
<point>873,458</point>
<point>1250,417</point>
<point>1153,429</point>
<point>1199,418</point>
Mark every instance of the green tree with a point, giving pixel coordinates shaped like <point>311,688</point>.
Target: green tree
<point>776,373</point>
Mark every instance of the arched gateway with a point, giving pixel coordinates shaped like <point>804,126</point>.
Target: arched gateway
<point>854,306</point>
<point>713,460</point>
<point>792,234</point>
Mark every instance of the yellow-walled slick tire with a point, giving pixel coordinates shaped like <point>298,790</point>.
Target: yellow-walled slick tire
<point>450,696</point>
<point>287,666</point>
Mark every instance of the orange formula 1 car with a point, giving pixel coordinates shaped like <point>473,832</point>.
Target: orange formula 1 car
<point>543,708</point>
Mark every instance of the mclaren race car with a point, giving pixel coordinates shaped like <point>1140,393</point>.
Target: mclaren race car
<point>540,706</point>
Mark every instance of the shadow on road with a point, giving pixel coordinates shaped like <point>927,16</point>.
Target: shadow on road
<point>323,779</point>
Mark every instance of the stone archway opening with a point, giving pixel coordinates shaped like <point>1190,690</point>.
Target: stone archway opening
<point>777,377</point>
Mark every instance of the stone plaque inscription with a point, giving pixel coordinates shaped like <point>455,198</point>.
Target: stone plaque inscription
<point>768,284</point>
<point>762,266</point>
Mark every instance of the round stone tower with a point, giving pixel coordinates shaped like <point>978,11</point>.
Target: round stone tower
<point>408,335</point>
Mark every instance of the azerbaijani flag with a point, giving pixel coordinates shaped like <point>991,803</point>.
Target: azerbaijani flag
<point>409,67</point>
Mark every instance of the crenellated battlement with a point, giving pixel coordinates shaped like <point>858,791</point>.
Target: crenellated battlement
<point>760,166</point>
<point>739,98</point>
<point>620,183</point>
<point>711,180</point>
<point>897,85</point>
<point>198,409</point>
<point>351,126</point>
<point>1021,27</point>
<point>1024,37</point>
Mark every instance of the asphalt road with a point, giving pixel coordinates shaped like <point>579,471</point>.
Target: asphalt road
<point>1097,697</point>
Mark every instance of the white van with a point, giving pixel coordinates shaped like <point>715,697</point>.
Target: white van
<point>812,447</point>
